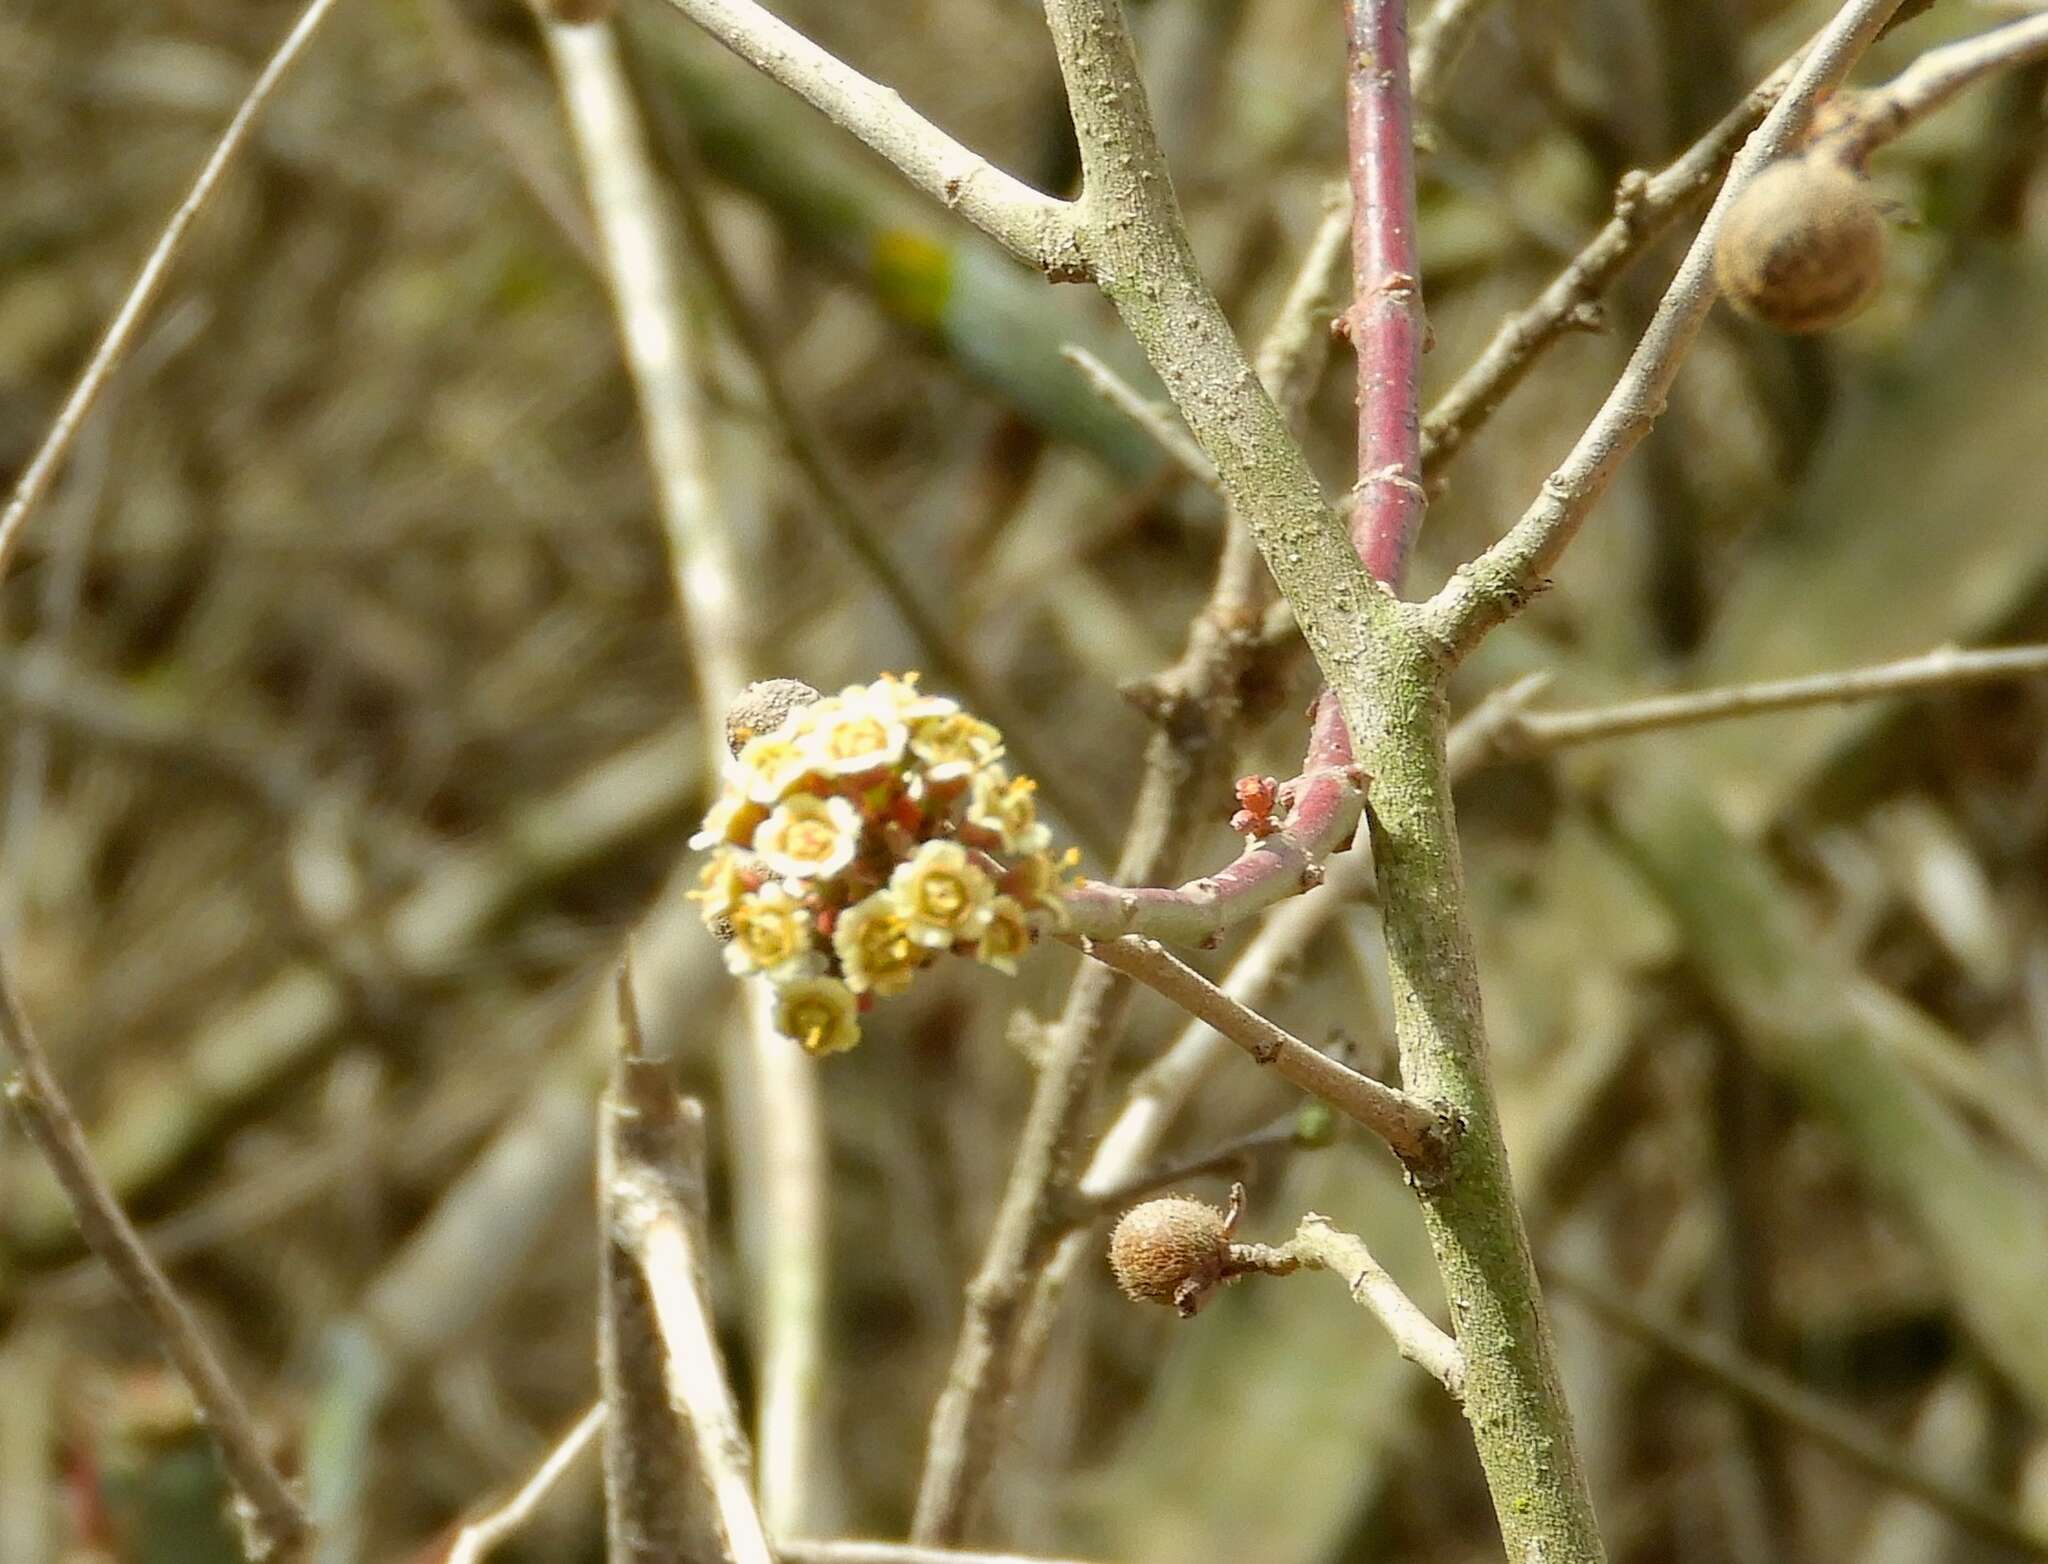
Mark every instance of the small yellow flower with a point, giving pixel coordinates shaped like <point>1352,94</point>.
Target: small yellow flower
<point>942,897</point>
<point>1035,881</point>
<point>1007,808</point>
<point>771,934</point>
<point>1007,937</point>
<point>856,733</point>
<point>731,821</point>
<point>954,745</point>
<point>723,884</point>
<point>770,765</point>
<point>819,1012</point>
<point>911,703</point>
<point>808,837</point>
<point>875,948</point>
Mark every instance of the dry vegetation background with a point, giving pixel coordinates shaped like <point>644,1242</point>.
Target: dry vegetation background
<point>349,727</point>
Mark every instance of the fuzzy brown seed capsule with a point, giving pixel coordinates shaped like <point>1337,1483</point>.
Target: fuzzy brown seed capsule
<point>1803,246</point>
<point>761,708</point>
<point>1172,1251</point>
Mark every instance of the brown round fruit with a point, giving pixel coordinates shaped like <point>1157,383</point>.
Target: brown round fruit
<point>1803,246</point>
<point>1169,1251</point>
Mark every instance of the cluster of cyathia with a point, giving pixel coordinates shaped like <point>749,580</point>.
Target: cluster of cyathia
<point>865,836</point>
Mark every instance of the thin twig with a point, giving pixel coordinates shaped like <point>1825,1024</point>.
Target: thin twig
<point>120,335</point>
<point>473,1544</point>
<point>1644,210</point>
<point>1494,586</point>
<point>1885,113</point>
<point>1412,1130</point>
<point>1158,422</point>
<point>1801,1411</point>
<point>1385,319</point>
<point>1503,729</point>
<point>645,272</point>
<point>1322,807</point>
<point>274,1523</point>
<point>1292,354</point>
<point>647,294</point>
<point>1317,1245</point>
<point>1035,228</point>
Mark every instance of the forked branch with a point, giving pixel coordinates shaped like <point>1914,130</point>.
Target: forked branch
<point>1493,587</point>
<point>1035,228</point>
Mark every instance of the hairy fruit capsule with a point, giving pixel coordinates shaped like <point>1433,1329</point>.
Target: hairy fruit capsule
<point>1173,1250</point>
<point>1803,246</point>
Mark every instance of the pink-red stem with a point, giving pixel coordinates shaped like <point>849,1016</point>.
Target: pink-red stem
<point>1385,324</point>
<point>1385,321</point>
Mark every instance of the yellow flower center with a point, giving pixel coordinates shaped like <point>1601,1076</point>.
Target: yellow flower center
<point>863,736</point>
<point>810,841</point>
<point>813,1023</point>
<point>943,896</point>
<point>884,944</point>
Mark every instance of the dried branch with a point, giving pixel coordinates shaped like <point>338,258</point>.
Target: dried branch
<point>42,469</point>
<point>1158,422</point>
<point>1493,587</point>
<point>1035,228</point>
<point>646,288</point>
<point>1644,210</point>
<point>651,1197</point>
<point>1503,729</point>
<point>1800,1410</point>
<point>275,1528</point>
<point>1414,1131</point>
<point>645,271</point>
<point>1384,321</point>
<point>474,1543</point>
<point>696,1378</point>
<point>1317,1245</point>
<point>1883,114</point>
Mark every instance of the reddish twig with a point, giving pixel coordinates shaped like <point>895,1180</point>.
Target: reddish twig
<point>1322,807</point>
<point>1386,327</point>
<point>1385,319</point>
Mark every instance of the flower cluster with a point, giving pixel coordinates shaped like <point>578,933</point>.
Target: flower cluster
<point>870,833</point>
